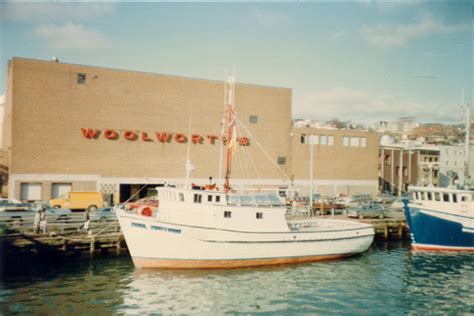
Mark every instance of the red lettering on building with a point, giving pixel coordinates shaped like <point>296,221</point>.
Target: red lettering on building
<point>197,139</point>
<point>212,139</point>
<point>110,134</point>
<point>181,138</point>
<point>145,137</point>
<point>164,137</point>
<point>243,141</point>
<point>130,135</point>
<point>90,133</point>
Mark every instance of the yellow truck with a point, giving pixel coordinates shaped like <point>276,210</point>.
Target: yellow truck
<point>89,201</point>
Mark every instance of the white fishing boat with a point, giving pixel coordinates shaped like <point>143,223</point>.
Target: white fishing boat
<point>208,228</point>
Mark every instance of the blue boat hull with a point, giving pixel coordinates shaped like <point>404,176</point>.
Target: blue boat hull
<point>433,233</point>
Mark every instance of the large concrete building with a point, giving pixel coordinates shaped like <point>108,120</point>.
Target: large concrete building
<point>82,128</point>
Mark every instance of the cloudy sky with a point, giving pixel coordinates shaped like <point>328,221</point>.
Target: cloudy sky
<point>360,61</point>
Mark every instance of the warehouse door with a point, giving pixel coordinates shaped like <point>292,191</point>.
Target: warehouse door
<point>30,191</point>
<point>135,192</point>
<point>59,189</point>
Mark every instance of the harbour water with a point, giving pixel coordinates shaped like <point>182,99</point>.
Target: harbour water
<point>388,279</point>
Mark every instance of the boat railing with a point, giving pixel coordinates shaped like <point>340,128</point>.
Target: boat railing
<point>260,200</point>
<point>305,224</point>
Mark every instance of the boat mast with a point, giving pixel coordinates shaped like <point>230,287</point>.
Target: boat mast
<point>230,138</point>
<point>466,144</point>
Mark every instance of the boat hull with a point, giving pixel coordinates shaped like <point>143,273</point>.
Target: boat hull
<point>227,264</point>
<point>155,244</point>
<point>433,230</point>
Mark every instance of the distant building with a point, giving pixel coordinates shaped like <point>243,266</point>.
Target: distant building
<point>402,126</point>
<point>452,165</point>
<point>401,166</point>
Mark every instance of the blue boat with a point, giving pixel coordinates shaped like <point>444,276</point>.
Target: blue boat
<point>440,219</point>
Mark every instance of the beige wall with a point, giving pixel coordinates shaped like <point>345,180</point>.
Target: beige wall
<point>335,162</point>
<point>49,109</point>
<point>46,109</point>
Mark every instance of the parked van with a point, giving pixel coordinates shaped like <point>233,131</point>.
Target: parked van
<point>79,201</point>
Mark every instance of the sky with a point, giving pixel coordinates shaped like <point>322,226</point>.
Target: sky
<point>360,61</point>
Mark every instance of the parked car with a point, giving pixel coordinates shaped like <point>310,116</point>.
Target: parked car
<point>371,210</point>
<point>15,215</point>
<point>353,200</point>
<point>104,214</point>
<point>79,201</point>
<point>12,202</point>
<point>385,198</point>
<point>58,214</point>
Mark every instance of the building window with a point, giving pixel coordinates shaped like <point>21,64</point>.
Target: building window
<point>387,159</point>
<point>354,142</point>
<point>218,198</point>
<point>445,197</point>
<point>81,78</point>
<point>30,191</point>
<point>253,119</point>
<point>311,139</point>
<point>345,141</point>
<point>323,139</point>
<point>405,171</point>
<point>281,160</point>
<point>437,197</point>
<point>430,198</point>
<point>197,198</point>
<point>330,140</point>
<point>455,198</point>
<point>209,198</point>
<point>363,142</point>
<point>303,139</point>
<point>259,215</point>
<point>435,173</point>
<point>181,197</point>
<point>227,214</point>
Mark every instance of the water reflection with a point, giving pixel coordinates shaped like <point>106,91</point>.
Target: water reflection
<point>387,280</point>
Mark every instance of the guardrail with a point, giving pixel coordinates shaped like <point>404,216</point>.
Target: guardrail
<point>72,223</point>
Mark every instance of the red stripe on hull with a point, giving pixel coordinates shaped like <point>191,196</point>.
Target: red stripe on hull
<point>440,248</point>
<point>226,264</point>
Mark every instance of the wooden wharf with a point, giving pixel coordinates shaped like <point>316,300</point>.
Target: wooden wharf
<point>69,238</point>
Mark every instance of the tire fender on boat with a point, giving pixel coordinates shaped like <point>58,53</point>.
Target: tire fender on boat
<point>146,211</point>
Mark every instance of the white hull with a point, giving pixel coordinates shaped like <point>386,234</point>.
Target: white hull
<point>155,243</point>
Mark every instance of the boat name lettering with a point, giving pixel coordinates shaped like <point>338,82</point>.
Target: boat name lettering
<point>166,229</point>
<point>158,137</point>
<point>139,225</point>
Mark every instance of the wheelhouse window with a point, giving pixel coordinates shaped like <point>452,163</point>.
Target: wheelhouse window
<point>181,197</point>
<point>437,197</point>
<point>227,214</point>
<point>209,198</point>
<point>446,197</point>
<point>259,215</point>
<point>430,196</point>
<point>197,198</point>
<point>218,198</point>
